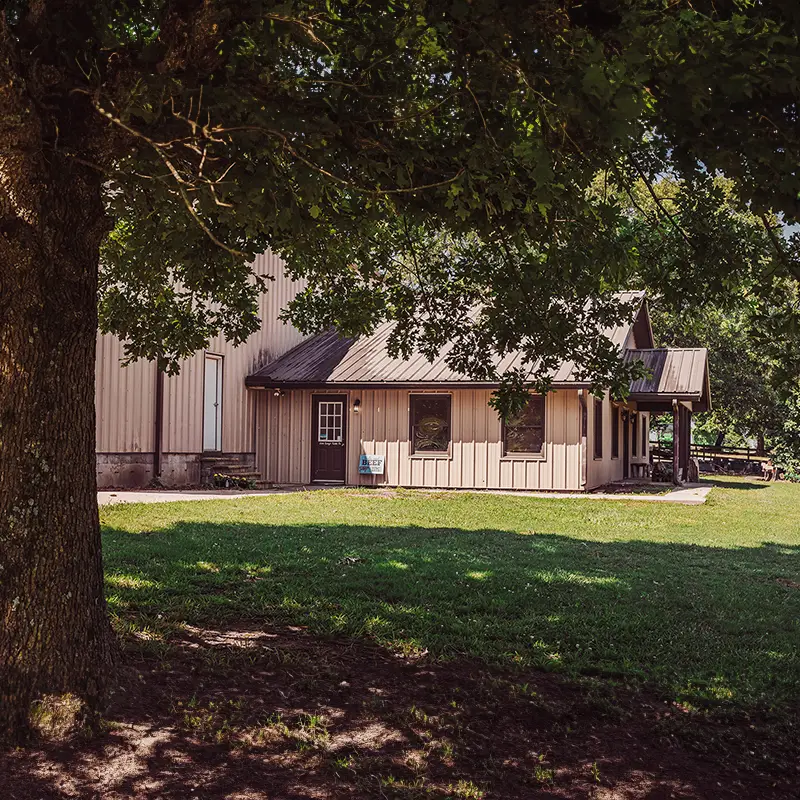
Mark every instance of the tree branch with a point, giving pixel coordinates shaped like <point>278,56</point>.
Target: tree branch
<point>660,205</point>
<point>180,183</point>
<point>792,266</point>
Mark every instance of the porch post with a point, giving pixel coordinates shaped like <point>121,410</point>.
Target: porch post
<point>687,439</point>
<point>676,443</point>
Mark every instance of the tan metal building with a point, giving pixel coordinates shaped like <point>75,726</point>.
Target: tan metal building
<point>207,415</point>
<point>281,409</point>
<point>334,410</point>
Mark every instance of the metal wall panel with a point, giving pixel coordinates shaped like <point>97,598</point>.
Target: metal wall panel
<point>381,427</point>
<point>124,400</point>
<point>125,396</point>
<point>607,469</point>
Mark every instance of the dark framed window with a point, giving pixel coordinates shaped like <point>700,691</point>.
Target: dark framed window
<point>614,432</point>
<point>524,432</point>
<point>430,423</point>
<point>644,435</point>
<point>634,433</point>
<point>598,428</point>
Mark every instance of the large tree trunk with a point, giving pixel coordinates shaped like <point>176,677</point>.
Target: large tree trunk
<point>55,639</point>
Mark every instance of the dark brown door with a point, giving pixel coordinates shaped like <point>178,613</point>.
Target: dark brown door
<point>329,429</point>
<point>626,444</point>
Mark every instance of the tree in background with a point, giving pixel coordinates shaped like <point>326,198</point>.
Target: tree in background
<point>747,318</point>
<point>747,404</point>
<point>785,441</point>
<point>746,315</point>
<point>412,160</point>
<point>754,388</point>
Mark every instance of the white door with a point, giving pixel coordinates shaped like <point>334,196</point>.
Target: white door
<point>212,404</point>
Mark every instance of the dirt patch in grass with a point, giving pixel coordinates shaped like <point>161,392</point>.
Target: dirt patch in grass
<point>243,713</point>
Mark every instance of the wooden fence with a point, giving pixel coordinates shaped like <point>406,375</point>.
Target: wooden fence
<point>707,452</point>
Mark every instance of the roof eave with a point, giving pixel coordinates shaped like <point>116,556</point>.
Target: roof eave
<point>259,382</point>
<point>699,401</point>
<point>693,396</point>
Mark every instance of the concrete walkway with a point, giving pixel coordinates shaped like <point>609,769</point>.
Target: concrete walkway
<point>177,495</point>
<point>692,494</point>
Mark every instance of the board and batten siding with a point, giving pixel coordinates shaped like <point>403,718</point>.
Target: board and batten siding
<point>601,471</point>
<point>125,396</point>
<point>381,427</point>
<point>606,469</point>
<point>124,400</point>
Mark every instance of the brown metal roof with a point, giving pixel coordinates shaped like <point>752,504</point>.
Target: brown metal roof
<point>327,359</point>
<point>675,373</point>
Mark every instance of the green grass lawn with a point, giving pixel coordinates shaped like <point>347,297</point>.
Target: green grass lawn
<point>702,602</point>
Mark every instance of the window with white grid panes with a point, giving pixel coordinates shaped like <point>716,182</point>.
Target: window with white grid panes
<point>329,427</point>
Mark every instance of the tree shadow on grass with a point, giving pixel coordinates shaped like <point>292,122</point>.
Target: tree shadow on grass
<point>243,711</point>
<point>303,661</point>
<point>702,624</point>
<point>739,483</point>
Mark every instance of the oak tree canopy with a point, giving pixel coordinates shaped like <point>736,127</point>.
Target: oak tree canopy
<point>413,160</point>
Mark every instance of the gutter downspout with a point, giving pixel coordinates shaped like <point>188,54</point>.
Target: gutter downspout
<point>158,425</point>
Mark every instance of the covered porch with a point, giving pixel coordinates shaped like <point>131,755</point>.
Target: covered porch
<point>677,384</point>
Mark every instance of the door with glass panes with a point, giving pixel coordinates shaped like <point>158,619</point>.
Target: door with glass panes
<point>328,429</point>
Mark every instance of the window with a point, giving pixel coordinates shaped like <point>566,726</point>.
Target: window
<point>614,432</point>
<point>634,432</point>
<point>598,428</point>
<point>329,423</point>
<point>524,432</point>
<point>430,423</point>
<point>644,435</point>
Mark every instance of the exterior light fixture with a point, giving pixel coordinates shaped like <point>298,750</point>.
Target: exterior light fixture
<point>356,406</point>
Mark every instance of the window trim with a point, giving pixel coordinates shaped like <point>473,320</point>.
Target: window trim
<point>430,453</point>
<point>597,448</point>
<point>523,456</point>
<point>332,396</point>
<point>341,415</point>
<point>220,359</point>
<point>616,430</point>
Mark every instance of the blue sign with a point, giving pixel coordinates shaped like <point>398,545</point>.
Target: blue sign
<point>371,465</point>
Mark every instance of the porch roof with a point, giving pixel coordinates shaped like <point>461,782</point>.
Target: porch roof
<point>676,373</point>
<point>329,360</point>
